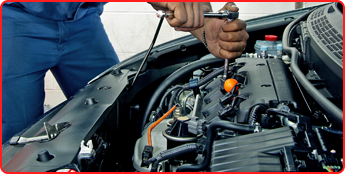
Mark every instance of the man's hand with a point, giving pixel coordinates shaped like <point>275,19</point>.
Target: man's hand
<point>188,16</point>
<point>224,39</point>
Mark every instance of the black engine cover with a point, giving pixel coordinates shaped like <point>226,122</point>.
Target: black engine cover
<point>266,82</point>
<point>257,152</point>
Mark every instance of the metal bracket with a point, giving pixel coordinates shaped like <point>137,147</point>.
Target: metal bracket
<point>199,102</point>
<point>51,133</point>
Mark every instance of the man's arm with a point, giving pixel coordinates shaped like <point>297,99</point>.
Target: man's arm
<point>223,39</point>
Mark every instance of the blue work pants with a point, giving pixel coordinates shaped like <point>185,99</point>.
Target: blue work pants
<point>75,52</point>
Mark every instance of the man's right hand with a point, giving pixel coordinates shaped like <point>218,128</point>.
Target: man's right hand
<point>188,16</point>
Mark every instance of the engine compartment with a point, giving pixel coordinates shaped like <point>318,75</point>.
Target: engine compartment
<point>263,123</point>
<point>269,114</point>
<point>260,123</point>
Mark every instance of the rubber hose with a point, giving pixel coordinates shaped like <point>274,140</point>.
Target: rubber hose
<point>166,95</point>
<point>174,152</point>
<point>173,78</point>
<point>336,131</point>
<point>216,73</point>
<point>274,111</point>
<point>177,99</point>
<point>255,114</point>
<point>211,131</point>
<point>172,99</point>
<point>333,111</point>
<point>207,78</point>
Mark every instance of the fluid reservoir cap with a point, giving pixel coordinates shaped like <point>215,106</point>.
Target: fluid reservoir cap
<point>229,84</point>
<point>264,48</point>
<point>271,37</point>
<point>279,47</point>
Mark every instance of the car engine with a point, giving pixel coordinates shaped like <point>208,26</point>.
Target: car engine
<point>277,108</point>
<point>256,118</point>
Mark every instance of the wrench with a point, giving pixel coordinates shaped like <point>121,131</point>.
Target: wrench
<point>222,14</point>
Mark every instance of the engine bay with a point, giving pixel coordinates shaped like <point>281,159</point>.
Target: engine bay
<point>279,108</point>
<point>262,120</point>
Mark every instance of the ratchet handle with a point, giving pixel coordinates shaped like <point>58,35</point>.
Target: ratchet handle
<point>222,14</point>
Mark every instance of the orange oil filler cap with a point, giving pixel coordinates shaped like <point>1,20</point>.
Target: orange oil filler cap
<point>229,84</point>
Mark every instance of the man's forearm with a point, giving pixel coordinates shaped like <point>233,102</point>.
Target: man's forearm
<point>207,7</point>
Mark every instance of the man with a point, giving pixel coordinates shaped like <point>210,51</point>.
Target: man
<point>68,38</point>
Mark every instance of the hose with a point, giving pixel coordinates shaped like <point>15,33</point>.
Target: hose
<point>207,78</point>
<point>334,112</point>
<point>216,73</point>
<point>177,99</point>
<point>156,123</point>
<point>333,130</point>
<point>210,137</point>
<point>166,95</point>
<point>255,114</point>
<point>174,152</point>
<point>172,99</point>
<point>184,104</point>
<point>275,111</point>
<point>202,87</point>
<point>173,78</point>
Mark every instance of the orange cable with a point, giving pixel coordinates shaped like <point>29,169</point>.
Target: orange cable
<point>156,123</point>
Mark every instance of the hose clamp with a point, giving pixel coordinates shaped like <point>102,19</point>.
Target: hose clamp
<point>257,128</point>
<point>193,83</point>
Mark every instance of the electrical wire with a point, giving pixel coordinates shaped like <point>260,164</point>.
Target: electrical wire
<point>156,123</point>
<point>172,153</point>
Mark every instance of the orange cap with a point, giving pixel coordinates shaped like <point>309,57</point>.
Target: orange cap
<point>229,84</point>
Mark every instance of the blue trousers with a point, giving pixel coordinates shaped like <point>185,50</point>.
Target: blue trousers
<point>74,51</point>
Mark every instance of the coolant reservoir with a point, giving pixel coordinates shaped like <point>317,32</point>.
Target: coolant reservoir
<point>271,42</point>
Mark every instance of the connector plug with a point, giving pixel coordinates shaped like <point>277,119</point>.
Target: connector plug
<point>146,155</point>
